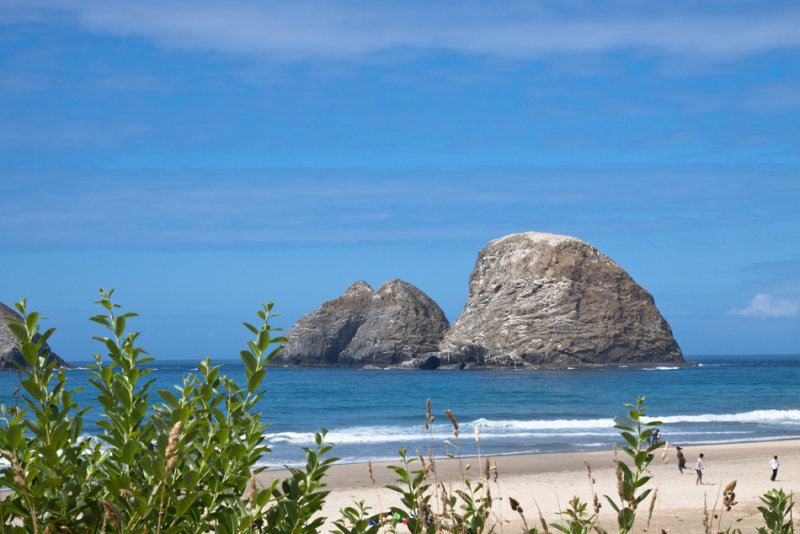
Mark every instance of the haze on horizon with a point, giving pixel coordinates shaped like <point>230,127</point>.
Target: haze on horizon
<point>209,156</point>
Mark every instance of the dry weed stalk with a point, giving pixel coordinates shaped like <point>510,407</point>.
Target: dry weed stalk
<point>428,415</point>
<point>620,478</point>
<point>171,459</point>
<point>650,510</point>
<point>542,521</point>
<point>595,500</point>
<point>19,479</point>
<point>706,518</point>
<point>517,508</point>
<point>728,501</point>
<point>432,468</point>
<point>729,496</point>
<point>110,515</point>
<point>172,446</point>
<point>372,477</point>
<point>378,494</point>
<point>457,445</point>
<point>252,483</point>
<point>19,474</point>
<point>454,421</point>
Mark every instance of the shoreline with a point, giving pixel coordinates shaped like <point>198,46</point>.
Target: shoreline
<point>549,480</point>
<point>470,457</point>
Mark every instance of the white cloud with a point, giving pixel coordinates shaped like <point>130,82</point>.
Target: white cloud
<point>303,29</point>
<point>765,305</point>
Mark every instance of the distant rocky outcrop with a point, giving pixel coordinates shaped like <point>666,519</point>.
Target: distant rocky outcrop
<point>9,353</point>
<point>396,325</point>
<point>540,299</point>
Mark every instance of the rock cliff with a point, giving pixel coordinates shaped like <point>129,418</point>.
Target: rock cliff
<point>395,325</point>
<point>9,352</point>
<point>540,299</point>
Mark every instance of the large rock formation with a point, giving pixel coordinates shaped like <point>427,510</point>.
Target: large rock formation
<point>9,353</point>
<point>540,299</point>
<point>395,325</point>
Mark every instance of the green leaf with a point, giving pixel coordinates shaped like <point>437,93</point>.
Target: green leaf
<point>249,361</point>
<point>14,435</point>
<point>630,439</point>
<point>252,328</point>
<point>256,379</point>
<point>30,321</point>
<point>18,330</point>
<point>102,319</point>
<point>262,340</point>
<point>129,449</point>
<point>168,397</point>
<point>119,326</point>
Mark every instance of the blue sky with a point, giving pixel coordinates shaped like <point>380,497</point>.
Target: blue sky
<point>203,157</point>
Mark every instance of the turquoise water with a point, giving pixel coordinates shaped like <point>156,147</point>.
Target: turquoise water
<point>372,414</point>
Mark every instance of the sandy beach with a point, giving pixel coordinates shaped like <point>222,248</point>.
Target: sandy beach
<point>551,480</point>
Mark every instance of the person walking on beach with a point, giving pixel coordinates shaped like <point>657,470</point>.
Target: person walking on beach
<point>774,466</point>
<point>699,467</point>
<point>681,459</point>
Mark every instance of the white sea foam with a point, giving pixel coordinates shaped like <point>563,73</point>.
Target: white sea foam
<point>659,368</point>
<point>755,416</point>
<point>742,440</point>
<point>544,424</point>
<point>536,428</point>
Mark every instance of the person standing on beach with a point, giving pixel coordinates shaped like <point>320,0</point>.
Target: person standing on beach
<point>681,459</point>
<point>774,466</point>
<point>699,467</point>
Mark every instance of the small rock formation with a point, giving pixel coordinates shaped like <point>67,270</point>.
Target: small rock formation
<point>9,353</point>
<point>319,337</point>
<point>539,299</point>
<point>395,325</point>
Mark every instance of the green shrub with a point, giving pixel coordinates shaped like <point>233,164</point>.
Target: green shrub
<point>632,478</point>
<point>185,464</point>
<point>776,512</point>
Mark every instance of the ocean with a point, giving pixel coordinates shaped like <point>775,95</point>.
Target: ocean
<point>373,414</point>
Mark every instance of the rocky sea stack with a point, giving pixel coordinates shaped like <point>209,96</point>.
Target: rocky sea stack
<point>539,299</point>
<point>398,325</point>
<point>535,300</point>
<point>9,353</point>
